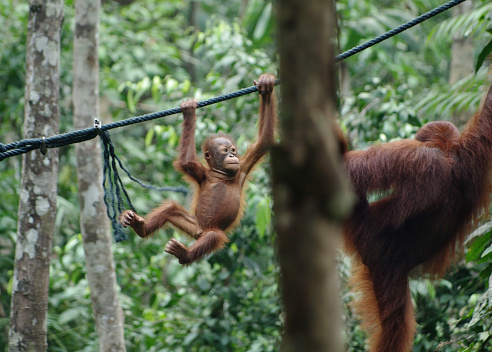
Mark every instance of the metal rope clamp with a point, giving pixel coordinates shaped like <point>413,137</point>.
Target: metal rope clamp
<point>44,148</point>
<point>97,125</point>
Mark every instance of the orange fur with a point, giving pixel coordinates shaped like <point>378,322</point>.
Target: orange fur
<point>439,184</point>
<point>218,202</point>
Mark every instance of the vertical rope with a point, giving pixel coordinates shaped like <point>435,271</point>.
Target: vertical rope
<point>113,188</point>
<point>116,197</point>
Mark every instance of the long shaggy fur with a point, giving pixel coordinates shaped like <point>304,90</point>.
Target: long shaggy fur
<point>438,184</point>
<point>394,330</point>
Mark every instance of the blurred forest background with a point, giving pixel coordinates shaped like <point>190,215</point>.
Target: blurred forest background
<point>154,54</point>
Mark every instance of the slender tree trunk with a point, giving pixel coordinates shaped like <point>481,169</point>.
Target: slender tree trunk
<point>311,193</point>
<point>462,62</point>
<point>93,222</point>
<point>37,206</point>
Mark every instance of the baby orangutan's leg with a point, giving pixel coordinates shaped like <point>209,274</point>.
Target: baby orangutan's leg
<point>208,242</point>
<point>170,212</point>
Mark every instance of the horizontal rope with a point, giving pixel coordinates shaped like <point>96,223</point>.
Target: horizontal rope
<point>62,140</point>
<point>398,30</point>
<point>156,115</point>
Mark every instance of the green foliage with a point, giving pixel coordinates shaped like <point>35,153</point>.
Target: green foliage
<point>70,321</point>
<point>226,303</point>
<point>471,23</point>
<point>464,95</point>
<point>476,315</point>
<point>142,39</point>
<point>13,17</point>
<point>8,225</point>
<point>259,22</point>
<point>486,51</point>
<point>475,23</point>
<point>394,60</point>
<point>225,50</point>
<point>379,113</point>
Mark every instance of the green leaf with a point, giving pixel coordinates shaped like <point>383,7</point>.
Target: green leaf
<point>262,24</point>
<point>263,216</point>
<point>149,137</point>
<point>156,88</point>
<point>130,101</point>
<point>478,247</point>
<point>69,315</point>
<point>487,251</point>
<point>483,55</point>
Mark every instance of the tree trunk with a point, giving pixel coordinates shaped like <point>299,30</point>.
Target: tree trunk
<point>462,62</point>
<point>311,193</point>
<point>94,224</point>
<point>37,206</point>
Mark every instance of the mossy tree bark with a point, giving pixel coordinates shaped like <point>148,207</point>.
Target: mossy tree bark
<point>96,233</point>
<point>37,206</point>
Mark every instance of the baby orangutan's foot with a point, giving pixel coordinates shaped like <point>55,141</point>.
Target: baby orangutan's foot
<point>177,249</point>
<point>135,221</point>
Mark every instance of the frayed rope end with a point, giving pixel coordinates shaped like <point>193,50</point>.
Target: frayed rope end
<point>119,233</point>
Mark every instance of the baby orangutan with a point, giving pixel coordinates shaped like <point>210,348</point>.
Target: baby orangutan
<point>218,202</point>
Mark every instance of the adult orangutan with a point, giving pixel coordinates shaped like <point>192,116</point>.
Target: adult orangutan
<point>433,188</point>
<point>218,201</point>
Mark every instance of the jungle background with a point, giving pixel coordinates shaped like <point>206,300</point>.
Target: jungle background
<point>154,54</point>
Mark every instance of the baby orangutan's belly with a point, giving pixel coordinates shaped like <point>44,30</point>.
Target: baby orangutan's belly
<point>218,206</point>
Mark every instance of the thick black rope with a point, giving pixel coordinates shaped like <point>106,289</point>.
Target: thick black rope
<point>398,30</point>
<point>62,140</point>
<point>114,189</point>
